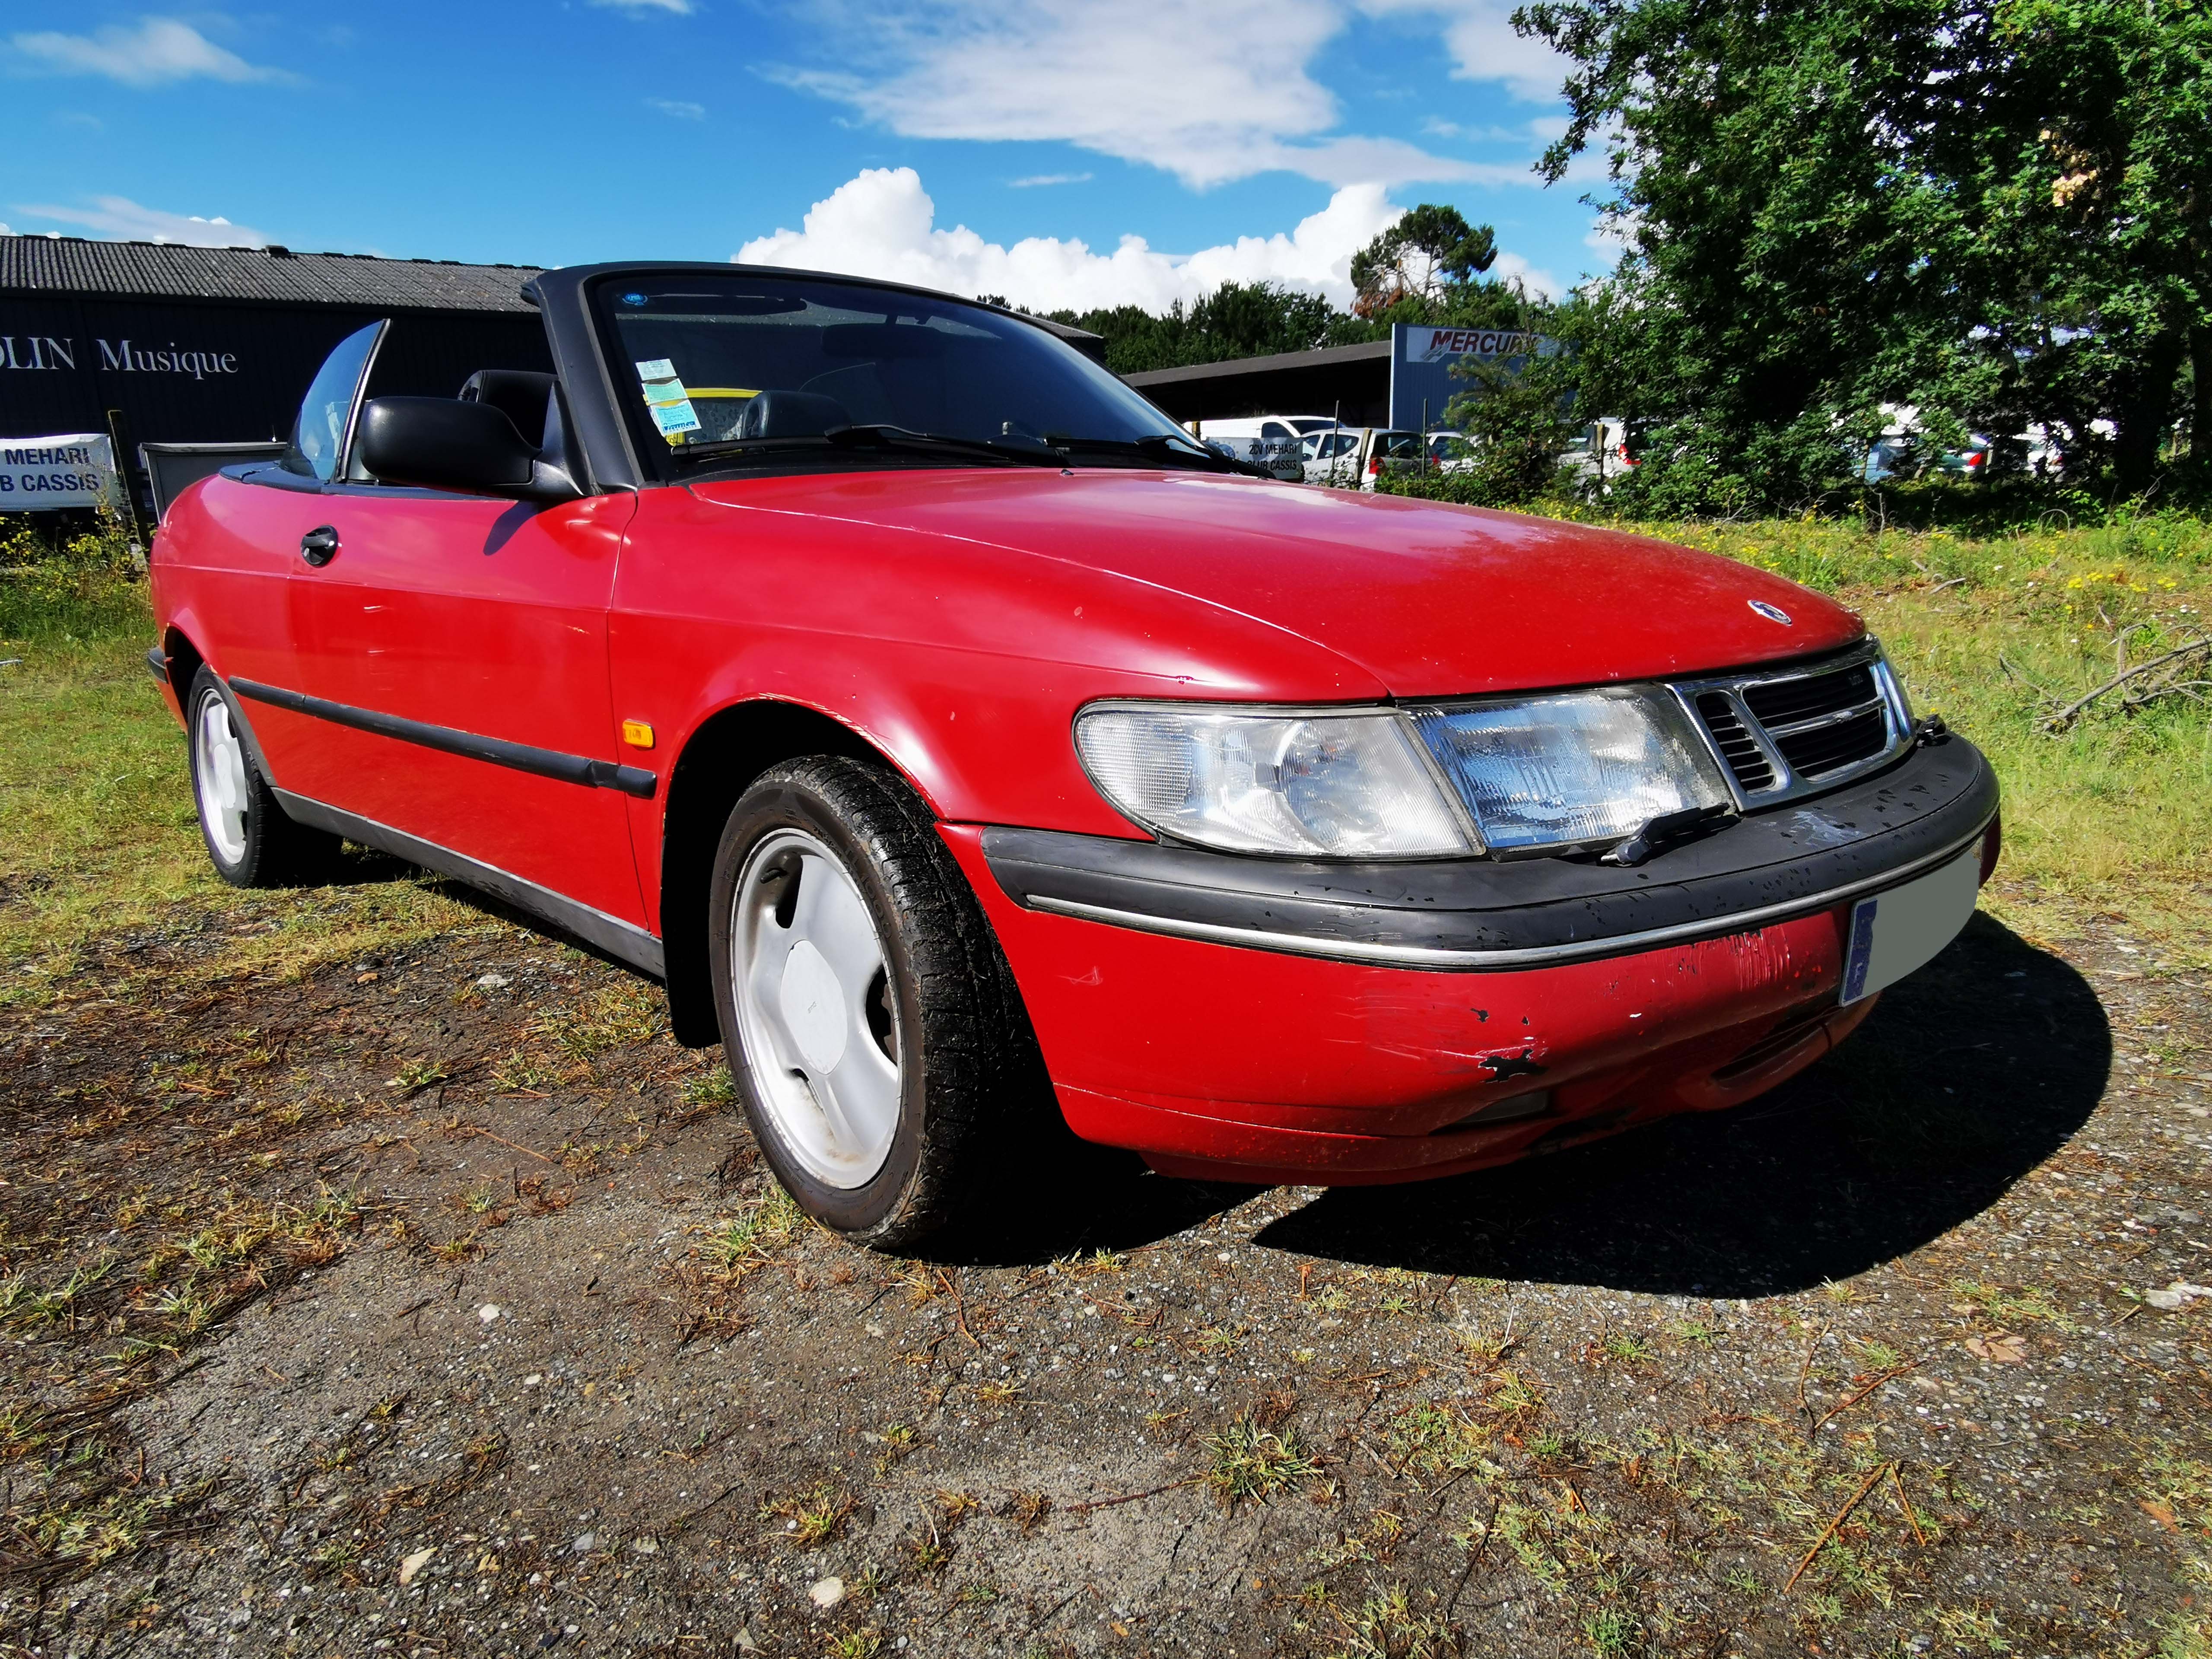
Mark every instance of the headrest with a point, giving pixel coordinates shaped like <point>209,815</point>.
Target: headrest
<point>520,394</point>
<point>791,414</point>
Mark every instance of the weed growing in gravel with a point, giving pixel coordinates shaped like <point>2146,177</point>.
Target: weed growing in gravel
<point>764,1227</point>
<point>1386,1626</point>
<point>810,1517</point>
<point>712,1087</point>
<point>522,1072</point>
<point>1435,1438</point>
<point>416,1075</point>
<point>621,1016</point>
<point>2177,1493</point>
<point>1972,1630</point>
<point>1245,1460</point>
<point>2011,1308</point>
<point>1514,1396</point>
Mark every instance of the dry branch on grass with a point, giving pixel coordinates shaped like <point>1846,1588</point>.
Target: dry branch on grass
<point>2184,672</point>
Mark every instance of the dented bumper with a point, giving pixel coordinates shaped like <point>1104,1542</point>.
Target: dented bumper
<point>1277,1021</point>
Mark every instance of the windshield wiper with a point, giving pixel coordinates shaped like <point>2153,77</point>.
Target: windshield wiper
<point>1158,446</point>
<point>1010,447</point>
<point>1027,451</point>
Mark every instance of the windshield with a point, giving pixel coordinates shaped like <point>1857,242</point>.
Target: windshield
<point>758,365</point>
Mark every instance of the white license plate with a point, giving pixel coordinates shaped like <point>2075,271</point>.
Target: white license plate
<point>1894,933</point>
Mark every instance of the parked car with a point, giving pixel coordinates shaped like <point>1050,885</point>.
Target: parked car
<point>1348,456</point>
<point>948,720</point>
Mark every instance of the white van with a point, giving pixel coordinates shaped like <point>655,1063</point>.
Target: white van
<point>1268,428</point>
<point>1270,441</point>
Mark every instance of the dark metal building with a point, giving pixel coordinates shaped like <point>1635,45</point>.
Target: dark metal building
<point>217,345</point>
<point>1354,380</point>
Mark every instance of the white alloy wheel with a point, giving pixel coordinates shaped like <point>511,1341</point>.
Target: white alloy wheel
<point>811,985</point>
<point>225,796</point>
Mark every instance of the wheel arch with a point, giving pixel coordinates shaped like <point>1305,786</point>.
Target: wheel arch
<point>184,660</point>
<point>717,764</point>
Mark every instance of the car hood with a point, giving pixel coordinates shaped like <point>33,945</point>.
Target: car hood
<point>1428,599</point>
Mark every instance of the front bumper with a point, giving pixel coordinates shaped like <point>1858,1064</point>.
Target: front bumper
<point>1280,1021</point>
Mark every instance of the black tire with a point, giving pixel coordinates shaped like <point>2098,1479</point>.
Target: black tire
<point>268,850</point>
<point>961,1040</point>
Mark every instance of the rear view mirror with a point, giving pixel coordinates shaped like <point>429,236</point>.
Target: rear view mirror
<point>437,443</point>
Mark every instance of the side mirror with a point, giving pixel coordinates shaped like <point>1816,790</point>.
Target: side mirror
<point>439,443</point>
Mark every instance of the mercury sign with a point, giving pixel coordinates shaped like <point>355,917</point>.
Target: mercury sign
<point>1422,359</point>
<point>43,475</point>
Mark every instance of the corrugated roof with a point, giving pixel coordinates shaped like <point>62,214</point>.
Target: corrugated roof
<point>1370,351</point>
<point>70,264</point>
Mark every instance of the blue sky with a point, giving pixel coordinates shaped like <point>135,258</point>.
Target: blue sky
<point>1059,151</point>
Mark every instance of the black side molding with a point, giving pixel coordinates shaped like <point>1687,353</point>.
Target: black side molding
<point>498,752</point>
<point>157,665</point>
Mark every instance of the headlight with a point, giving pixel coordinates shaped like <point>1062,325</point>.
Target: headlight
<point>1317,784</point>
<point>1579,769</point>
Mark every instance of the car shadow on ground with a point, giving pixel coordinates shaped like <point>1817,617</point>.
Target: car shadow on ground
<point>1965,1078</point>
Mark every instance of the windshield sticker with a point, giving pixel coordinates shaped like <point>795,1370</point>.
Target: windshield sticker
<point>666,399</point>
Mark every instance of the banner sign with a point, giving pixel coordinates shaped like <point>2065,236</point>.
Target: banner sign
<point>1422,359</point>
<point>43,475</point>
<point>1436,345</point>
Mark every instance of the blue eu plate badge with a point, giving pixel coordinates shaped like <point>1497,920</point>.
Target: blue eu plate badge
<point>1896,932</point>
<point>1859,956</point>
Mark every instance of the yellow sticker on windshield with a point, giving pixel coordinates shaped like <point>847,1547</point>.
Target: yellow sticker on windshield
<point>666,397</point>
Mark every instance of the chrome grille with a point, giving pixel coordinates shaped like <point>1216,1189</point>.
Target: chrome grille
<point>1781,703</point>
<point>1782,732</point>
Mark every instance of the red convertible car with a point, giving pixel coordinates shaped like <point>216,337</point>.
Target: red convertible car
<point>914,698</point>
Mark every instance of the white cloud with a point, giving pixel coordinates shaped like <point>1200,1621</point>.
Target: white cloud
<point>883,224</point>
<point>4,231</point>
<point>1207,93</point>
<point>121,217</point>
<point>1035,179</point>
<point>1483,43</point>
<point>157,50</point>
<point>1512,268</point>
<point>681,7</point>
<point>678,107</point>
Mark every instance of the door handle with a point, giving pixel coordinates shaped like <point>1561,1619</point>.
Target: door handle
<point>319,545</point>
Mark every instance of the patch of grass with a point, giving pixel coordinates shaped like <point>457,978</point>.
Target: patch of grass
<point>757,1232</point>
<point>1387,1626</point>
<point>1612,1633</point>
<point>1972,1630</point>
<point>812,1517</point>
<point>522,1072</point>
<point>1437,1437</point>
<point>2029,1301</point>
<point>1514,1396</point>
<point>1244,1461</point>
<point>712,1087</point>
<point>1987,632</point>
<point>620,1016</point>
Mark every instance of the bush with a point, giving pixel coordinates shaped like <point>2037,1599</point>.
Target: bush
<point>69,582</point>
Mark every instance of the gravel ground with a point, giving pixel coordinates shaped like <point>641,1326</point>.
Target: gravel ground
<point>434,1302</point>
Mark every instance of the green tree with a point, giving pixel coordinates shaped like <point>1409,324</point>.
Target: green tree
<point>1992,209</point>
<point>1429,249</point>
<point>1237,320</point>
